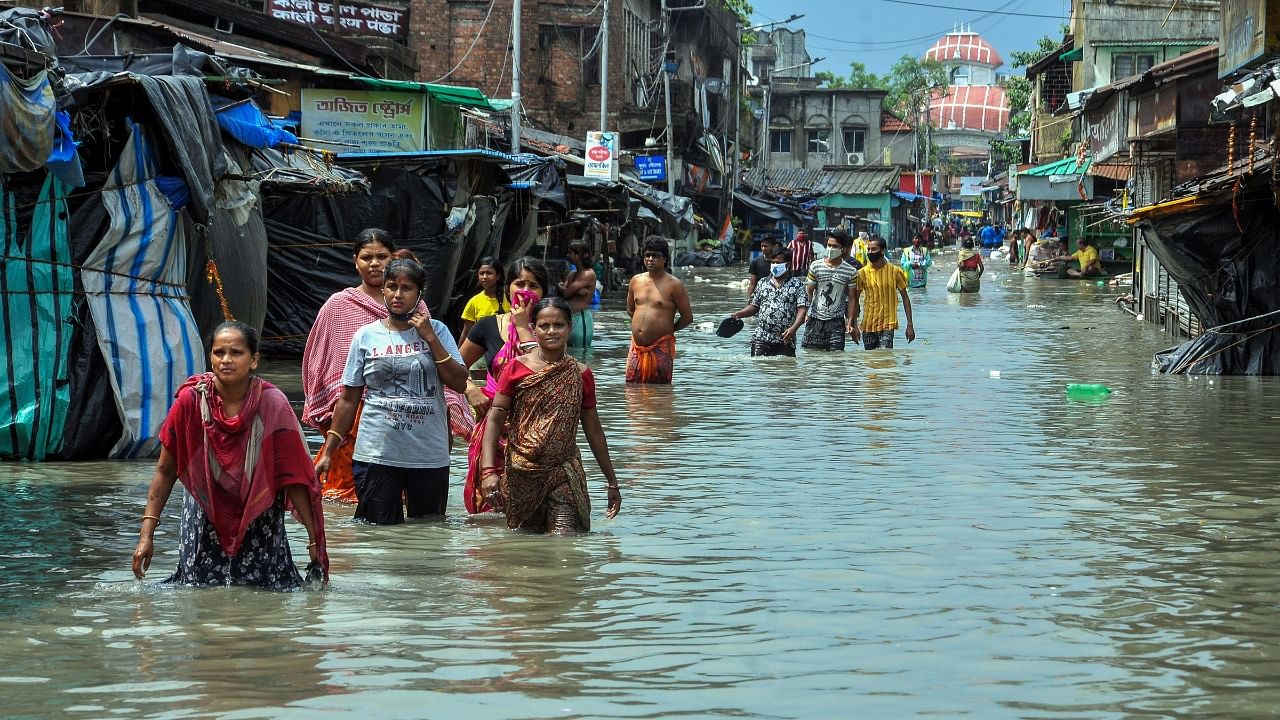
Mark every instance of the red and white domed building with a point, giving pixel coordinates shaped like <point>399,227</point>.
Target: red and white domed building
<point>974,109</point>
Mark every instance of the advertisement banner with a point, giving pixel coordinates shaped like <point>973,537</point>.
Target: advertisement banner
<point>344,18</point>
<point>601,156</point>
<point>375,120</point>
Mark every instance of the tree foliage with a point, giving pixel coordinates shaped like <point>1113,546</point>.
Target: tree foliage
<point>741,8</point>
<point>911,81</point>
<point>858,77</point>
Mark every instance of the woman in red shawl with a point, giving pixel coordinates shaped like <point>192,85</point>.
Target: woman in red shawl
<point>234,442</point>
<point>544,395</point>
<point>325,355</point>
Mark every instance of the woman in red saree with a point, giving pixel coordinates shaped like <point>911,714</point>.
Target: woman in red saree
<point>235,443</point>
<point>325,355</point>
<point>545,395</point>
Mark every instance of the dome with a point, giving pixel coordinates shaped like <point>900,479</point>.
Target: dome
<point>971,107</point>
<point>964,47</point>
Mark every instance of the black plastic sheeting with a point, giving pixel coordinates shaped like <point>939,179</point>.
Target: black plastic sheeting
<point>93,423</point>
<point>310,243</point>
<point>183,121</point>
<point>1230,280</point>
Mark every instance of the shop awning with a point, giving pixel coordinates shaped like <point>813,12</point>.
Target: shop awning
<point>447,94</point>
<point>1072,55</point>
<point>1065,166</point>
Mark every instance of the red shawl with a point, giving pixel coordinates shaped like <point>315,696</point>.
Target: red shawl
<point>234,467</point>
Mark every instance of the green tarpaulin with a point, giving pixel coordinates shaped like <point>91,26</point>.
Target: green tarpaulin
<point>36,294</point>
<point>447,94</point>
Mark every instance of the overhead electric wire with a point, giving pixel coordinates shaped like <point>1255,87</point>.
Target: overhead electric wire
<point>467,54</point>
<point>1059,16</point>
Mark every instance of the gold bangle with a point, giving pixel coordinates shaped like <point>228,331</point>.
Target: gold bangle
<point>613,486</point>
<point>152,517</point>
<point>335,434</point>
<point>444,359</point>
<point>311,544</point>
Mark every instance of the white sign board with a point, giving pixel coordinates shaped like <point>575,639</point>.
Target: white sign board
<point>601,155</point>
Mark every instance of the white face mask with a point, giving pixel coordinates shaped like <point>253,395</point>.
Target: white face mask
<point>778,269</point>
<point>833,253</point>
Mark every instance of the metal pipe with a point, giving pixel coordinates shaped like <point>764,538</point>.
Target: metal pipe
<point>604,69</point>
<point>666,91</point>
<point>515,77</point>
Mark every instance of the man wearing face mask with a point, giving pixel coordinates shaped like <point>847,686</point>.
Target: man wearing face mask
<point>874,289</point>
<point>829,285</point>
<point>782,304</point>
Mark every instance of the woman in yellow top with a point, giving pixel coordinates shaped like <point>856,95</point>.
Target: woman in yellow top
<point>489,301</point>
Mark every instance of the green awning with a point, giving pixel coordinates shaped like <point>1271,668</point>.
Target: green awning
<point>1065,166</point>
<point>448,94</point>
<point>1072,55</point>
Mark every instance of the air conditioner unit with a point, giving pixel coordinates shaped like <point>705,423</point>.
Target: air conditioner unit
<point>855,159</point>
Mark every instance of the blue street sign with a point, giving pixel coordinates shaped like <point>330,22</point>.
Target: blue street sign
<point>652,168</point>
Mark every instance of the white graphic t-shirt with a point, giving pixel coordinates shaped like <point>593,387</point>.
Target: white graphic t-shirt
<point>404,423</point>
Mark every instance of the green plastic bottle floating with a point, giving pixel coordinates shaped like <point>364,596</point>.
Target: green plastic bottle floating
<point>1087,390</point>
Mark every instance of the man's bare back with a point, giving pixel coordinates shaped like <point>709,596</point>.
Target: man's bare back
<point>653,299</point>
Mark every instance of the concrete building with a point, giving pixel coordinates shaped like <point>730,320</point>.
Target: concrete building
<point>1115,40</point>
<point>813,127</point>
<point>469,44</point>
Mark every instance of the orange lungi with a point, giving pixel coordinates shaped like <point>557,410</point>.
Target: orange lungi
<point>339,484</point>
<point>652,364</point>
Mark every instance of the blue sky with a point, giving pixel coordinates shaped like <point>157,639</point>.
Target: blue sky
<point>877,32</point>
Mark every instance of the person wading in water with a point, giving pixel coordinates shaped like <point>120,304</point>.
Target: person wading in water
<point>653,299</point>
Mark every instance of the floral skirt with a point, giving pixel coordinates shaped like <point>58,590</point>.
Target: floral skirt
<point>264,559</point>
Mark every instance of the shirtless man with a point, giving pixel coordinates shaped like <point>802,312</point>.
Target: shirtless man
<point>653,299</point>
<point>579,287</point>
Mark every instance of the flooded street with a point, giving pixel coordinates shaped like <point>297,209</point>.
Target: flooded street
<point>882,535</point>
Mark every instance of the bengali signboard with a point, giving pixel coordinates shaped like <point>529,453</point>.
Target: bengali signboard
<point>375,120</point>
<point>601,159</point>
<point>1250,34</point>
<point>971,185</point>
<point>652,168</point>
<point>343,17</point>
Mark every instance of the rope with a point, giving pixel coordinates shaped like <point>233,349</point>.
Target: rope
<point>212,275</point>
<point>85,268</point>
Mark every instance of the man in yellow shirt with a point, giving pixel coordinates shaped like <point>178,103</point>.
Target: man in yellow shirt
<point>877,283</point>
<point>1090,263</point>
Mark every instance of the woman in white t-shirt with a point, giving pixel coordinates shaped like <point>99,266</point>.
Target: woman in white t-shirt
<point>398,365</point>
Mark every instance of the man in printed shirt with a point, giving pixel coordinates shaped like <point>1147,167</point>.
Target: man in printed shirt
<point>874,289</point>
<point>781,303</point>
<point>830,287</point>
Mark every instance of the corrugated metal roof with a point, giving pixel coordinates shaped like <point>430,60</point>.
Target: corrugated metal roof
<point>864,181</point>
<point>789,181</point>
<point>825,181</point>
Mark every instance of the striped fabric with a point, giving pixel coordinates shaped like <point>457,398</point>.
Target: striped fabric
<point>135,285</point>
<point>36,287</point>
<point>801,253</point>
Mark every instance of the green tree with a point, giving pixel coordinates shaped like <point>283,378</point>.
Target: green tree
<point>858,78</point>
<point>910,84</point>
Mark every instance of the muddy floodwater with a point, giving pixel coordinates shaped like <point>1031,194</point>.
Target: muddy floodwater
<point>933,531</point>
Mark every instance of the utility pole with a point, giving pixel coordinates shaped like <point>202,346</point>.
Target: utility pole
<point>515,77</point>
<point>604,69</point>
<point>666,94</point>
